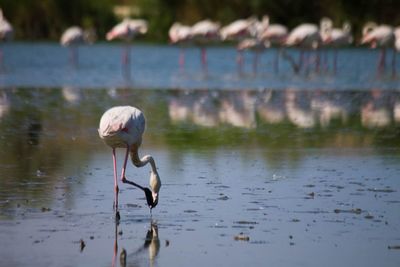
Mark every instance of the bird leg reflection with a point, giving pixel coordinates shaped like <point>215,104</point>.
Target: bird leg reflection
<point>151,243</point>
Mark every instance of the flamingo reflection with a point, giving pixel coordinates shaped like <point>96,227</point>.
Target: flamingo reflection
<point>136,258</point>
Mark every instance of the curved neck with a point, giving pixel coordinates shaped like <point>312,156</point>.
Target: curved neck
<point>140,162</point>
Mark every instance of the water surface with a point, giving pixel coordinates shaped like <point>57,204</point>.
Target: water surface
<point>156,66</point>
<point>254,177</point>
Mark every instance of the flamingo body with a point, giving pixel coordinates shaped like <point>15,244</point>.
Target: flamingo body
<point>305,35</point>
<point>335,37</point>
<point>379,36</point>
<point>275,34</point>
<point>397,35</point>
<point>72,36</point>
<point>127,29</point>
<point>205,30</point>
<point>239,29</point>
<point>6,30</point>
<point>123,127</point>
<point>179,33</point>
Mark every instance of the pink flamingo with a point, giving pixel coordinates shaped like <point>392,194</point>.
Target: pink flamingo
<point>238,31</point>
<point>397,35</point>
<point>6,33</point>
<point>254,45</point>
<point>273,35</point>
<point>123,126</point>
<point>127,30</point>
<point>180,34</point>
<point>204,32</point>
<point>305,36</point>
<point>335,37</point>
<point>73,37</point>
<point>382,37</point>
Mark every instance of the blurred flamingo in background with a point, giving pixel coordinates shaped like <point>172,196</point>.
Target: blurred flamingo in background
<point>180,34</point>
<point>123,127</point>
<point>305,36</point>
<point>397,35</point>
<point>273,35</point>
<point>239,31</point>
<point>75,36</point>
<point>335,37</point>
<point>6,33</point>
<point>252,44</point>
<point>204,32</point>
<point>127,30</point>
<point>383,37</point>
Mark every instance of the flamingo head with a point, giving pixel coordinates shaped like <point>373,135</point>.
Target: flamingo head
<point>151,202</point>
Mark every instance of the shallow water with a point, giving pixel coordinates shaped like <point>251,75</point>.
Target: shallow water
<point>255,177</point>
<point>156,66</point>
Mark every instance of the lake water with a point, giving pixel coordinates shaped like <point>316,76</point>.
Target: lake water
<point>257,168</point>
<point>152,66</point>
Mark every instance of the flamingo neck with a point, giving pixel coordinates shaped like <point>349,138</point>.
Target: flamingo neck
<point>139,162</point>
<point>152,163</point>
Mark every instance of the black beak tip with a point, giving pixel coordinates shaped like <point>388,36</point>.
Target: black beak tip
<point>149,198</point>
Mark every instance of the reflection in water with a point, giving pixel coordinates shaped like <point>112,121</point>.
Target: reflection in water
<point>51,131</point>
<point>136,258</point>
<point>72,95</point>
<point>4,104</point>
<point>303,109</point>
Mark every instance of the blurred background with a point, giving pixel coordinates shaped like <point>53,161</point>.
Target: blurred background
<point>46,20</point>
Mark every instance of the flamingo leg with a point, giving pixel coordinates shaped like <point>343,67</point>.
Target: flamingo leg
<point>181,58</point>
<point>125,162</point>
<point>276,61</point>
<point>204,58</point>
<point>239,61</point>
<point>74,56</point>
<point>123,177</point>
<point>317,60</point>
<point>394,63</point>
<point>255,61</point>
<point>115,180</point>
<point>382,60</point>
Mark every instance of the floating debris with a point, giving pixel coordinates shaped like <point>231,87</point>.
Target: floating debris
<point>394,247</point>
<point>355,211</point>
<point>245,222</point>
<point>241,237</point>
<point>44,209</point>
<point>190,211</point>
<point>382,190</point>
<point>166,243</point>
<point>82,244</point>
<point>369,216</point>
<point>223,198</point>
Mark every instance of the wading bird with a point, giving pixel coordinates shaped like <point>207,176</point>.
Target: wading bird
<point>383,37</point>
<point>305,36</point>
<point>180,34</point>
<point>204,32</point>
<point>6,33</point>
<point>127,30</point>
<point>6,30</point>
<point>75,36</point>
<point>273,35</point>
<point>335,37</point>
<point>123,127</point>
<point>238,31</point>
